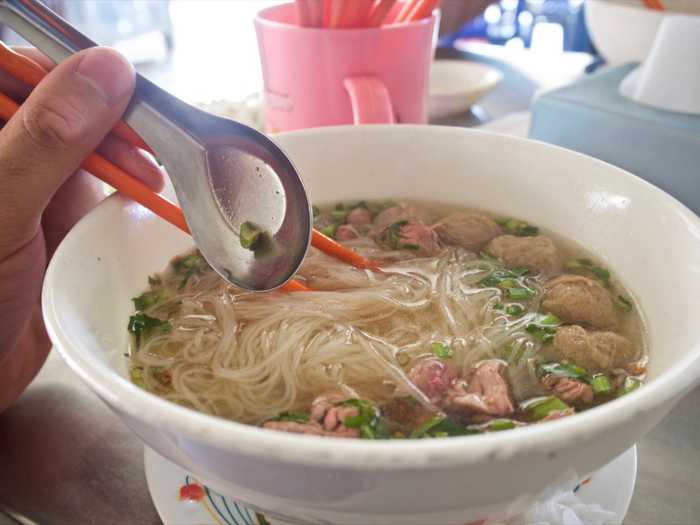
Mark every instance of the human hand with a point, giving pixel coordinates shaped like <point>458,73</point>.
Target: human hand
<point>42,195</point>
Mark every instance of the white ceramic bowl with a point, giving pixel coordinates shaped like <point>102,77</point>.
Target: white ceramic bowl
<point>622,31</point>
<point>648,239</point>
<point>456,85</point>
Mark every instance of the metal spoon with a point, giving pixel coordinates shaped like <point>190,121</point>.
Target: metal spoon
<point>224,173</point>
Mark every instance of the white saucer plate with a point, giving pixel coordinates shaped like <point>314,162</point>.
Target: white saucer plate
<point>181,500</point>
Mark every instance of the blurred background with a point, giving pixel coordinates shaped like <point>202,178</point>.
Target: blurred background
<point>203,50</point>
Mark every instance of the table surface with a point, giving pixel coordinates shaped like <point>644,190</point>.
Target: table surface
<point>66,459</point>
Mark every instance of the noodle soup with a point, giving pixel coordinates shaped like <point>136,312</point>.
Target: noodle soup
<point>475,324</point>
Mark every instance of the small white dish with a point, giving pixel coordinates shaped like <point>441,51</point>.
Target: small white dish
<point>180,499</point>
<point>456,85</point>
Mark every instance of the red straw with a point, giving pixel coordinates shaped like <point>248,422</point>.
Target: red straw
<point>408,6</point>
<point>379,12</point>
<point>422,9</point>
<point>315,13</point>
<point>303,16</point>
<point>327,8</point>
<point>356,13</point>
<point>338,8</point>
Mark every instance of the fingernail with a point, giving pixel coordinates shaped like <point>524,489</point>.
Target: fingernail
<point>109,72</point>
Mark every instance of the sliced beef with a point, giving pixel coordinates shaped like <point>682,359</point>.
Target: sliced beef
<point>433,377</point>
<point>346,232</point>
<point>485,392</point>
<point>579,300</point>
<point>537,254</point>
<point>359,218</point>
<point>396,214</point>
<point>468,230</point>
<point>568,390</point>
<point>594,350</point>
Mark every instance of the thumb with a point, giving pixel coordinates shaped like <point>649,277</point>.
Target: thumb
<point>64,119</point>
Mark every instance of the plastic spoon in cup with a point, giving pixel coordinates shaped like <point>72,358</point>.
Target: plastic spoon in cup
<point>225,174</point>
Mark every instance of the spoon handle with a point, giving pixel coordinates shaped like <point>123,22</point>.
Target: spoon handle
<point>57,39</point>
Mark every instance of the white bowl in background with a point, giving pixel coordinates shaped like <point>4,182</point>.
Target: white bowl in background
<point>456,85</point>
<point>648,239</point>
<point>622,32</point>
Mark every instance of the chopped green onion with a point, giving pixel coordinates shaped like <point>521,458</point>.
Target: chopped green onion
<point>136,375</point>
<point>149,299</point>
<point>329,231</point>
<point>623,303</point>
<point>402,358</point>
<point>628,386</point>
<point>514,309</point>
<point>339,216</point>
<point>442,351</point>
<point>251,235</point>
<point>600,384</point>
<point>442,426</point>
<point>361,204</point>
<point>513,356</point>
<point>519,294</point>
<point>541,409</point>
<point>365,412</point>
<point>498,306</point>
<point>188,262</point>
<point>154,280</point>
<point>519,228</point>
<point>501,424</point>
<point>294,417</point>
<point>519,271</point>
<point>548,320</point>
<point>601,274</point>
<point>508,283</point>
<point>563,369</point>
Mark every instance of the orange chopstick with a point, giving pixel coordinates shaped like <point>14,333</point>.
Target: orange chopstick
<point>25,69</point>
<point>654,4</point>
<point>422,9</point>
<point>130,186</point>
<point>379,12</point>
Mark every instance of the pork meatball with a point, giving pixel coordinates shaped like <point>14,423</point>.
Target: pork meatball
<point>470,231</point>
<point>537,254</point>
<point>579,300</point>
<point>594,350</point>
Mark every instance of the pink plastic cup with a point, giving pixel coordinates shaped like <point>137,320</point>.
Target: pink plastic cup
<point>324,77</point>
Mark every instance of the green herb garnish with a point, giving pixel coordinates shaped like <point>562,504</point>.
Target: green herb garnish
<point>543,327</point>
<point>442,351</point>
<point>142,325</point>
<point>251,235</point>
<point>587,265</point>
<point>514,309</point>
<point>518,228</point>
<point>154,280</point>
<point>513,356</point>
<point>367,419</point>
<point>497,425</point>
<point>189,265</point>
<point>149,299</point>
<point>136,375</point>
<point>631,384</point>
<point>520,293</point>
<point>292,416</point>
<point>623,303</point>
<point>542,408</point>
<point>440,426</point>
<point>329,231</point>
<point>563,369</point>
<point>601,384</point>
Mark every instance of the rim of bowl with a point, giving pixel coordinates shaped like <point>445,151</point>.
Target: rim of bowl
<point>365,454</point>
